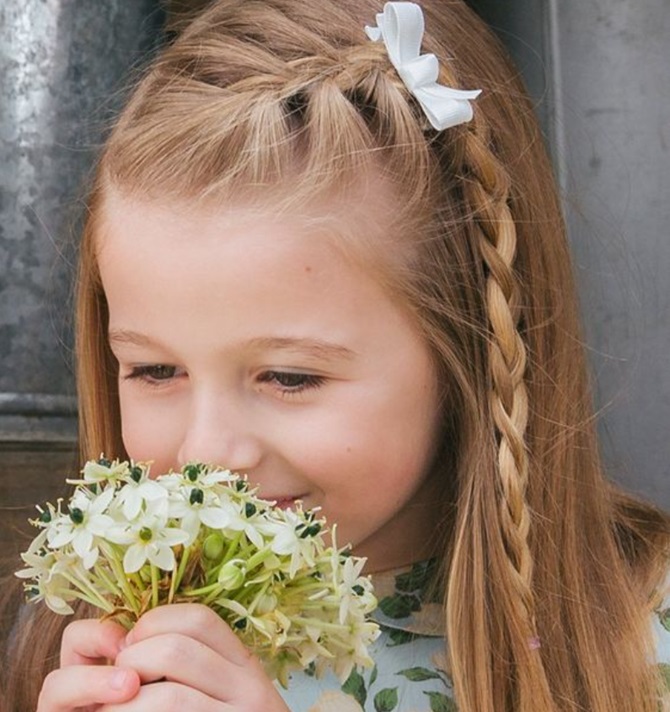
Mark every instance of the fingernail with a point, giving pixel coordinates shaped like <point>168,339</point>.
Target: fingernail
<point>118,679</point>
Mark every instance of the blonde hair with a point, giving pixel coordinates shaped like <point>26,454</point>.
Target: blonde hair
<point>261,94</point>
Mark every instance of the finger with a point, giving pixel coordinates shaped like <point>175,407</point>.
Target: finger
<point>91,642</point>
<point>172,697</point>
<point>169,697</point>
<point>193,621</point>
<point>70,688</point>
<point>181,659</point>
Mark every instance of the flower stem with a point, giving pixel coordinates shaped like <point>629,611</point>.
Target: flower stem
<point>122,578</point>
<point>258,558</point>
<point>204,590</point>
<point>154,586</point>
<point>87,592</point>
<point>179,574</point>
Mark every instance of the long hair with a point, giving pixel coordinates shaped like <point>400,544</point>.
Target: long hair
<point>549,571</point>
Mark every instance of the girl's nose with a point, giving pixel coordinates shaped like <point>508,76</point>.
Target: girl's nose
<point>215,435</point>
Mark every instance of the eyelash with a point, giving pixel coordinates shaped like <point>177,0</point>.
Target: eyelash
<point>148,374</point>
<point>306,381</point>
<point>285,380</point>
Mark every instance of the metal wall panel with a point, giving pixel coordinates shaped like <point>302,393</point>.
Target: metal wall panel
<point>61,65</point>
<point>615,62</point>
<point>605,101</point>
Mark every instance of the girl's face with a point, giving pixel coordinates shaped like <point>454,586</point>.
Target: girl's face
<point>249,341</point>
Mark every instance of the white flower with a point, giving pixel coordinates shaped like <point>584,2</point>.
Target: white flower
<point>48,584</point>
<point>84,521</point>
<point>55,592</point>
<point>38,558</point>
<point>349,589</point>
<point>266,571</point>
<point>239,516</point>
<point>203,477</point>
<point>134,494</point>
<point>148,538</point>
<point>194,506</point>
<point>291,538</point>
<point>104,471</point>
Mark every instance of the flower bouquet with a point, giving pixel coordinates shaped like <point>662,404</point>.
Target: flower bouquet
<point>125,543</point>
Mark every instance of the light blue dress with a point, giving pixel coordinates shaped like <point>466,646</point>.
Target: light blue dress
<point>411,671</point>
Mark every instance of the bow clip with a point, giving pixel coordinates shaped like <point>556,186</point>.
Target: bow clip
<point>401,27</point>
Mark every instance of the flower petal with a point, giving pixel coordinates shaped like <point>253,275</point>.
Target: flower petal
<point>134,558</point>
<point>161,555</point>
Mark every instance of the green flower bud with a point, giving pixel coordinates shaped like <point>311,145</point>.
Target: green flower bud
<point>249,510</point>
<point>213,547</point>
<point>267,603</point>
<point>232,575</point>
<point>104,462</point>
<point>136,473</point>
<point>45,517</point>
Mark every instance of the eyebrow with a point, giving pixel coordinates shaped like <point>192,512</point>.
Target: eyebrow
<point>133,338</point>
<point>310,347</point>
<point>316,348</point>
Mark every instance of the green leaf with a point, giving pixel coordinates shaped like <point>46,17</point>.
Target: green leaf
<point>355,686</point>
<point>419,674</point>
<point>664,617</point>
<point>664,669</point>
<point>373,675</point>
<point>439,702</point>
<point>417,578</point>
<point>399,605</point>
<point>400,637</point>
<point>386,700</point>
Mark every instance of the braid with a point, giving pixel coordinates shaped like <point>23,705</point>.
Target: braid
<point>507,356</point>
<point>487,193</point>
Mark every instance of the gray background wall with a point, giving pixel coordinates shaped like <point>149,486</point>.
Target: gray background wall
<point>599,70</point>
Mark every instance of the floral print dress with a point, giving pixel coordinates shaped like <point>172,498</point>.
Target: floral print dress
<point>411,672</point>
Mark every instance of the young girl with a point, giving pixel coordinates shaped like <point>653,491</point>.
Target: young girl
<point>311,258</point>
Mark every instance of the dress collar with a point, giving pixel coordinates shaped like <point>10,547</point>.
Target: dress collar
<point>405,601</point>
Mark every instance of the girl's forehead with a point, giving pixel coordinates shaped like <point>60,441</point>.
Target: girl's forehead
<point>362,224</point>
<point>227,277</point>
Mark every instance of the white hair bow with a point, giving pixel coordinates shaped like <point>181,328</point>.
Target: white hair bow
<point>401,27</point>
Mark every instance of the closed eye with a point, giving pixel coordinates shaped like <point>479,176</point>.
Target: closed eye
<point>291,382</point>
<point>154,374</point>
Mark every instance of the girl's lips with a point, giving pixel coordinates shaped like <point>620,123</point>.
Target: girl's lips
<point>285,502</point>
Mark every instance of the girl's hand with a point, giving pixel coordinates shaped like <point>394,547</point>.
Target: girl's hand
<point>189,659</point>
<point>86,681</point>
